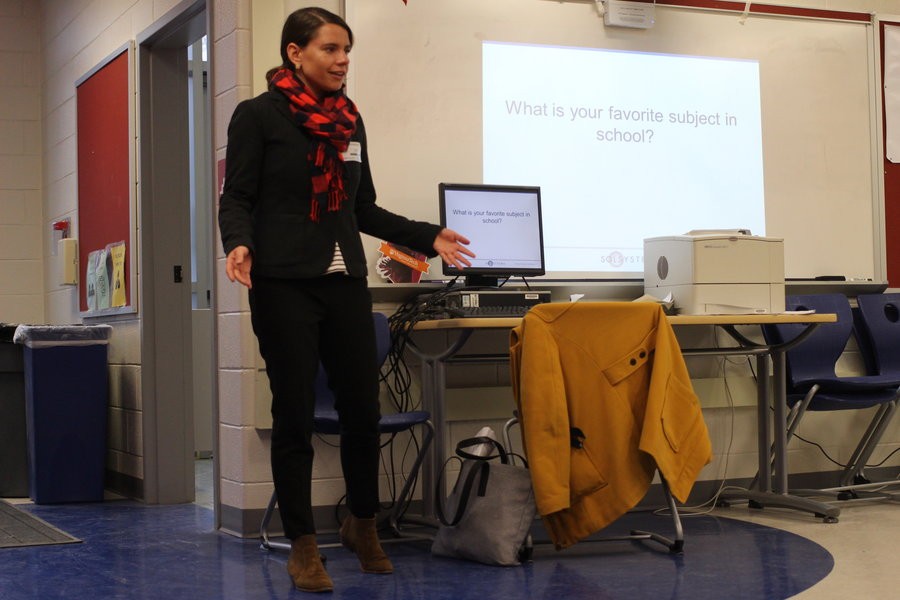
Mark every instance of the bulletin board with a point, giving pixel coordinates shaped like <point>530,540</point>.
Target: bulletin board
<point>890,70</point>
<point>105,120</point>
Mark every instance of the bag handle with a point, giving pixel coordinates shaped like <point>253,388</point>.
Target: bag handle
<point>472,442</point>
<point>478,467</point>
<point>503,454</point>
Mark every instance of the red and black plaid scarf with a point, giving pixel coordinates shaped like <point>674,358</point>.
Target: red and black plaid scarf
<point>331,122</point>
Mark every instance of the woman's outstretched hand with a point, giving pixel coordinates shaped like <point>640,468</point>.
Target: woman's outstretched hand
<point>451,247</point>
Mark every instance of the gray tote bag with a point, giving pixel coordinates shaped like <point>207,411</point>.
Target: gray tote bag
<point>491,506</point>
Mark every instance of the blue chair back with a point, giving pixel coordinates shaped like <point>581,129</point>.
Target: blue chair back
<point>815,357</point>
<point>864,341</point>
<point>880,327</point>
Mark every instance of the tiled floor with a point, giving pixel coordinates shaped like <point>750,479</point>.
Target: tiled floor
<point>132,550</point>
<point>137,551</point>
<point>863,544</point>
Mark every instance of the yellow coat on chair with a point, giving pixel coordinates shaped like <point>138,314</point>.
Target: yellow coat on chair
<point>604,399</point>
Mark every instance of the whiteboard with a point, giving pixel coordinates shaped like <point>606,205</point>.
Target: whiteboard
<point>416,77</point>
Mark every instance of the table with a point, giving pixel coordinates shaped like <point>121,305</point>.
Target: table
<point>772,485</point>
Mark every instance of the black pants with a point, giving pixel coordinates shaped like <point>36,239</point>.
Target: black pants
<point>300,322</point>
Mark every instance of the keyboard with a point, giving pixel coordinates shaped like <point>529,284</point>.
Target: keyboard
<point>495,312</point>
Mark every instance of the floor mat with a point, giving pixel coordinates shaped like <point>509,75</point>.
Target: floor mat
<point>18,528</point>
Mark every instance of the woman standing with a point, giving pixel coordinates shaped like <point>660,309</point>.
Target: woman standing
<point>298,192</point>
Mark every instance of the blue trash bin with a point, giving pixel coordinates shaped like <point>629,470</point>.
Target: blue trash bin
<point>66,398</point>
<point>13,447</point>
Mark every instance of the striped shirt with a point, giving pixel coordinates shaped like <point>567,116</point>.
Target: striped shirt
<point>337,263</point>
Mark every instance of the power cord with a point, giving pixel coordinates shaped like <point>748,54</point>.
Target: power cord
<point>397,378</point>
<point>840,464</point>
<point>708,506</point>
<point>390,469</point>
<point>704,508</point>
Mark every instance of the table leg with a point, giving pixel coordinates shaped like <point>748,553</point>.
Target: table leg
<point>434,384</point>
<point>773,491</point>
<point>764,479</point>
<point>779,386</point>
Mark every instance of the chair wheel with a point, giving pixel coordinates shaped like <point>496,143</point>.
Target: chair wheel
<point>829,519</point>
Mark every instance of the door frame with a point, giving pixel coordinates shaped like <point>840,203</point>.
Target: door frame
<point>163,184</point>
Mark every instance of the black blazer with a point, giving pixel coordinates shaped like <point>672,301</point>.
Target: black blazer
<point>265,203</point>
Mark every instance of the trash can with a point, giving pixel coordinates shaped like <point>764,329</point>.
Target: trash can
<point>13,447</point>
<point>66,398</point>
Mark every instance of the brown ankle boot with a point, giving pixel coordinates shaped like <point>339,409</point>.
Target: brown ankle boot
<point>305,566</point>
<point>360,536</point>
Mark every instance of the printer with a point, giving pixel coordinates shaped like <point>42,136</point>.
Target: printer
<point>715,272</point>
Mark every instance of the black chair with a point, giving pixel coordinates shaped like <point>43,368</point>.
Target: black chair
<point>813,384</point>
<point>879,328</point>
<point>325,422</point>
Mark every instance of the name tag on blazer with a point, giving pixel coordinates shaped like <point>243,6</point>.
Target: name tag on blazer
<point>353,153</point>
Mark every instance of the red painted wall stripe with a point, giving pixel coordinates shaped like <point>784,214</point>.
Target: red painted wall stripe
<point>772,9</point>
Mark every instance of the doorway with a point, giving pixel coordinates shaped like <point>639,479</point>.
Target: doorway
<point>202,261</point>
<point>177,258</point>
